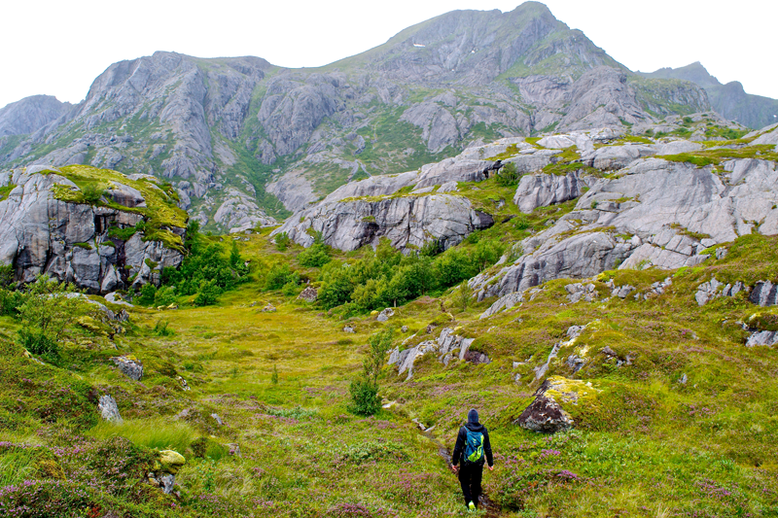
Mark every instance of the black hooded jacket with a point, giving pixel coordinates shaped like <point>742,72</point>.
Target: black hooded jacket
<point>459,448</point>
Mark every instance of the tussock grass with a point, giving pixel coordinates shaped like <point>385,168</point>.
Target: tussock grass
<point>157,433</point>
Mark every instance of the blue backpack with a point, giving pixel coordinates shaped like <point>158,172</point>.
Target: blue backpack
<point>474,447</point>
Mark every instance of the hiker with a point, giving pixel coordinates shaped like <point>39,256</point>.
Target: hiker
<point>469,452</point>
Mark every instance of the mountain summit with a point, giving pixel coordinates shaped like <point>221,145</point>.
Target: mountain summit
<point>730,100</point>
<point>245,142</point>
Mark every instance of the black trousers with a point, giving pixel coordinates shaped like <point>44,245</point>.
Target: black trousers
<point>470,480</point>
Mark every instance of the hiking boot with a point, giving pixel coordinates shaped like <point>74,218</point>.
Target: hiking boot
<point>471,506</point>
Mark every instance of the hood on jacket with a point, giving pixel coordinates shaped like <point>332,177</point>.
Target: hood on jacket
<point>472,416</point>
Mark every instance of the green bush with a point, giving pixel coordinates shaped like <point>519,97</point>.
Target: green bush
<point>364,389</point>
<point>209,292</point>
<point>39,343</point>
<point>148,293</point>
<point>280,275</point>
<point>47,309</point>
<point>165,296</point>
<point>508,175</point>
<point>314,257</point>
<point>282,241</point>
<point>10,300</point>
<point>364,398</point>
<point>92,193</point>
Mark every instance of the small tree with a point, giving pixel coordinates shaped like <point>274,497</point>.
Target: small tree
<point>364,389</point>
<point>463,295</point>
<point>49,307</point>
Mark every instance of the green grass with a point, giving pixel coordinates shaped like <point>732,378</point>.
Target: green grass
<point>6,190</point>
<point>161,433</point>
<point>707,157</point>
<point>644,443</point>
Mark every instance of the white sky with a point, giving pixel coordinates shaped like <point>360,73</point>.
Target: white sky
<point>59,47</point>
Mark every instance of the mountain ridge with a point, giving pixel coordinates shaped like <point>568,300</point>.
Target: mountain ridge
<point>730,100</point>
<point>246,142</point>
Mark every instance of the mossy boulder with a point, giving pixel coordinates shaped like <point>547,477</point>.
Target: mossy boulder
<point>169,461</point>
<point>546,413</point>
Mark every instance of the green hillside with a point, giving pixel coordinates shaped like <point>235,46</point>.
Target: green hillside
<point>675,418</point>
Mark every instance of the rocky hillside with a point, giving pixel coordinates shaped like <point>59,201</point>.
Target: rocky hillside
<point>97,229</point>
<point>245,142</point>
<point>730,100</point>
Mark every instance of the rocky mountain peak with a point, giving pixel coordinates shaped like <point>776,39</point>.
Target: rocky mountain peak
<point>30,114</point>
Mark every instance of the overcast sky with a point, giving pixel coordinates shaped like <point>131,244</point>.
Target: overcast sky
<point>59,47</point>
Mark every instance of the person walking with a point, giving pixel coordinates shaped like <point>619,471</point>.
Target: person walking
<point>470,451</point>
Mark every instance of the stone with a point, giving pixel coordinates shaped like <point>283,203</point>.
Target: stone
<point>168,461</point>
<point>183,383</point>
<point>764,293</point>
<point>109,410</point>
<point>129,366</point>
<point>707,291</point>
<point>404,329</point>
<point>269,308</point>
<point>217,419</point>
<point>447,346</point>
<point>385,315</point>
<point>765,338</point>
<point>544,414</point>
<point>348,329</point>
<point>579,291</point>
<point>309,294</point>
<point>411,221</point>
<point>476,357</point>
<point>503,303</point>
<point>575,362</point>
<point>542,190</point>
<point>622,292</point>
<point>167,482</point>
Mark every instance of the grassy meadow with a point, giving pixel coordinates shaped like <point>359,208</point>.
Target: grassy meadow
<point>679,421</point>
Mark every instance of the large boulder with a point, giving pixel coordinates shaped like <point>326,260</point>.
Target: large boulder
<point>407,221</point>
<point>546,413</point>
<point>40,234</point>
<point>542,190</point>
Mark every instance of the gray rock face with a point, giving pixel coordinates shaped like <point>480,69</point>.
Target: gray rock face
<point>542,190</point>
<point>405,221</point>
<point>673,210</point>
<point>764,338</point>
<point>764,293</point>
<point>40,234</point>
<point>729,100</point>
<point>447,346</point>
<point>434,88</point>
<point>109,410</point>
<point>131,368</point>
<point>583,255</point>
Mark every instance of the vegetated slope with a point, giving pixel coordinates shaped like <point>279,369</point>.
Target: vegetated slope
<point>667,374</point>
<point>730,100</point>
<point>244,141</point>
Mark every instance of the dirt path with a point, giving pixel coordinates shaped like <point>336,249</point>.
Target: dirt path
<point>491,509</point>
